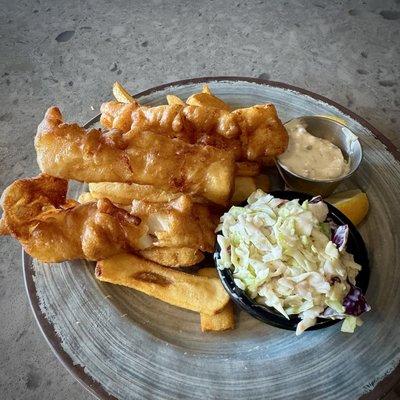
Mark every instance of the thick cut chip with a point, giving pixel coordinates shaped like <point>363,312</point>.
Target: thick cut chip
<point>125,193</point>
<point>196,293</point>
<point>207,100</point>
<point>173,256</point>
<point>70,152</point>
<point>222,321</point>
<point>247,168</point>
<point>244,187</point>
<point>86,197</point>
<point>172,99</point>
<point>262,182</point>
<point>121,94</point>
<point>53,229</point>
<point>206,89</point>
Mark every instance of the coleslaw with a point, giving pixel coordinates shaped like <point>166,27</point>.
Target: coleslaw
<point>285,255</point>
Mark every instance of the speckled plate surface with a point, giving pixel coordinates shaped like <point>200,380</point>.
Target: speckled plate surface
<point>122,344</point>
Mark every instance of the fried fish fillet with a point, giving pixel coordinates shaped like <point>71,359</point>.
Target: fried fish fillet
<point>70,152</point>
<point>125,193</point>
<point>179,121</point>
<point>179,223</point>
<point>257,129</point>
<point>168,120</point>
<point>117,115</point>
<point>53,229</point>
<point>173,257</point>
<point>179,229</point>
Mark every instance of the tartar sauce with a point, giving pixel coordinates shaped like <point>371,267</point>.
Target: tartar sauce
<point>310,156</point>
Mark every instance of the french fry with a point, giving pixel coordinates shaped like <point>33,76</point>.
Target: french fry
<point>173,257</point>
<point>244,187</point>
<point>262,182</point>
<point>86,197</point>
<point>247,168</point>
<point>207,100</point>
<point>206,89</point>
<point>172,99</point>
<point>121,94</point>
<point>125,193</point>
<point>192,292</point>
<point>222,321</point>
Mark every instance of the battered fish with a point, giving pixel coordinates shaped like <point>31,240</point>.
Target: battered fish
<point>70,152</point>
<point>53,229</point>
<point>175,227</point>
<point>173,257</point>
<point>179,223</point>
<point>252,133</point>
<point>117,115</point>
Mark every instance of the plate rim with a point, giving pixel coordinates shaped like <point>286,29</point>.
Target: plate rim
<point>47,329</point>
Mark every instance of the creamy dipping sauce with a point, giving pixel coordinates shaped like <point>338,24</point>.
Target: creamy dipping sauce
<point>312,157</point>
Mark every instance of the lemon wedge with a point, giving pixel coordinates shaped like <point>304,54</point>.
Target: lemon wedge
<point>353,204</point>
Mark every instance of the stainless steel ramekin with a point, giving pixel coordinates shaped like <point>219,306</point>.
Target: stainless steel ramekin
<point>338,134</point>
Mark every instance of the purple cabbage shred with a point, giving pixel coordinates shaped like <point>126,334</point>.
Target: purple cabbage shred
<point>340,236</point>
<point>354,302</point>
<point>331,313</point>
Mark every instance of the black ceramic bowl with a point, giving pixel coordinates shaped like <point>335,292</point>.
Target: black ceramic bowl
<point>355,246</point>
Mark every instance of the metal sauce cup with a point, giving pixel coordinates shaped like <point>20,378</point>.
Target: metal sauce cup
<point>338,134</point>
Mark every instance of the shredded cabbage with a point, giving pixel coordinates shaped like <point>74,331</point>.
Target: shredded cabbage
<point>281,254</point>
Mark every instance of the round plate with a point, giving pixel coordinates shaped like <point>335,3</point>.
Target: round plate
<point>121,343</point>
<point>355,246</point>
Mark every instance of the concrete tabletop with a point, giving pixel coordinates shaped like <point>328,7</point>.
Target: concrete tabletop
<point>68,53</point>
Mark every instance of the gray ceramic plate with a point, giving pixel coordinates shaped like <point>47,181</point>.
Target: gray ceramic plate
<point>120,343</point>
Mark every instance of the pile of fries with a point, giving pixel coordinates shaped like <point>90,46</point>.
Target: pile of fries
<point>159,179</point>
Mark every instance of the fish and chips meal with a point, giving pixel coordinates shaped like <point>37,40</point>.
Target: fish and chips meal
<point>159,180</point>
